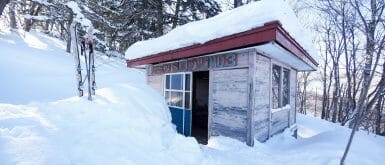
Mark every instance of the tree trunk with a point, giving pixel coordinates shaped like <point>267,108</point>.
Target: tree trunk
<point>33,11</point>
<point>175,19</point>
<point>379,114</point>
<point>68,49</point>
<point>303,108</point>
<point>46,27</point>
<point>325,101</point>
<point>336,89</point>
<point>12,15</point>
<point>159,26</point>
<point>68,34</point>
<point>237,3</point>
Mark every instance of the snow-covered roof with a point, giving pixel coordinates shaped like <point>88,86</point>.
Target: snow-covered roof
<point>238,20</point>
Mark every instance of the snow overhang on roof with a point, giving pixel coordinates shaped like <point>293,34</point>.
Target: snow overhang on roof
<point>270,38</point>
<point>277,52</point>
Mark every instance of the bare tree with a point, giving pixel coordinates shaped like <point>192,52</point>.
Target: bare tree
<point>302,94</point>
<point>369,23</point>
<point>353,87</point>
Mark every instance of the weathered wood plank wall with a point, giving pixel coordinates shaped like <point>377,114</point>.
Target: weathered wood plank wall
<point>230,103</point>
<point>229,99</point>
<point>293,92</point>
<point>279,121</point>
<point>230,109</point>
<point>262,98</point>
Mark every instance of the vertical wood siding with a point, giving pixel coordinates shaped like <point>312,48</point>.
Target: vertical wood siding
<point>230,103</point>
<point>293,91</point>
<point>279,121</point>
<point>262,98</point>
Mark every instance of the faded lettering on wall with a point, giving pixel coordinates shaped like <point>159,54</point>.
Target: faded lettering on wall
<point>195,64</point>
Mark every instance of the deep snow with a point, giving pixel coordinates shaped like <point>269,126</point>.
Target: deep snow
<point>43,122</point>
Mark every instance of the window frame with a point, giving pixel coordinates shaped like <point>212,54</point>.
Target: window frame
<point>282,69</point>
<point>283,86</point>
<point>183,90</point>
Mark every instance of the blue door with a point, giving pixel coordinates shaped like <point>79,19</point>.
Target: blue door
<point>178,92</point>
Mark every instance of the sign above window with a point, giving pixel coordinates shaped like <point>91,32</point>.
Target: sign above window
<point>195,64</point>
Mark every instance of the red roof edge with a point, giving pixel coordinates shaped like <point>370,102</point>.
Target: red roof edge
<point>284,39</point>
<point>271,31</point>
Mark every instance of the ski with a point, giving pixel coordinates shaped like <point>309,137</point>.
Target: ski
<point>75,51</point>
<point>92,67</point>
<point>89,39</point>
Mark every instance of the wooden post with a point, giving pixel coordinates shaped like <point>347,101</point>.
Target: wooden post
<point>250,112</point>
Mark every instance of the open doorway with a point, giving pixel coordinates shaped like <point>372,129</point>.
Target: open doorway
<point>200,100</point>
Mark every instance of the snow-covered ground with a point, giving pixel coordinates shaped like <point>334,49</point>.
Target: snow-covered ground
<point>42,121</point>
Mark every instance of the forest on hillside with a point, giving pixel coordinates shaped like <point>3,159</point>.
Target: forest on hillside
<point>119,23</point>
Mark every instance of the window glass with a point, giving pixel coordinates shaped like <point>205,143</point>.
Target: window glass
<point>187,85</point>
<point>176,99</point>
<point>276,75</point>
<point>176,82</point>
<point>276,86</point>
<point>167,81</point>
<point>178,94</point>
<point>285,87</point>
<point>187,96</point>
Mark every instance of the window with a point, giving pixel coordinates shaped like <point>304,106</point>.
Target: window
<point>285,87</point>
<point>280,86</point>
<point>276,86</point>
<point>178,90</point>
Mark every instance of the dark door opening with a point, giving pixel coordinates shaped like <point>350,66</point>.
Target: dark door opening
<point>200,100</point>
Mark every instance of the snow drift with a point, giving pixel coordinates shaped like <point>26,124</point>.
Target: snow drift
<point>43,122</point>
<point>117,128</point>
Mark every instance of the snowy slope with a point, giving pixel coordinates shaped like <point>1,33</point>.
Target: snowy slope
<point>33,67</point>
<point>237,20</point>
<point>56,127</point>
<point>128,122</point>
<point>319,143</point>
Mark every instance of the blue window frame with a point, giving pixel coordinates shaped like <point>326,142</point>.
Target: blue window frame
<point>177,92</point>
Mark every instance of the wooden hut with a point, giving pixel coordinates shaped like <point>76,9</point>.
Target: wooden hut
<point>240,85</point>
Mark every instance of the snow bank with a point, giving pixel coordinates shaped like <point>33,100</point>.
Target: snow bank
<point>128,122</point>
<point>324,146</point>
<point>240,19</point>
<point>119,127</point>
<point>34,67</point>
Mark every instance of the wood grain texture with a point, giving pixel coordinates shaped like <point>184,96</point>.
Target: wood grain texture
<point>250,112</point>
<point>262,98</point>
<point>230,103</point>
<point>279,121</point>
